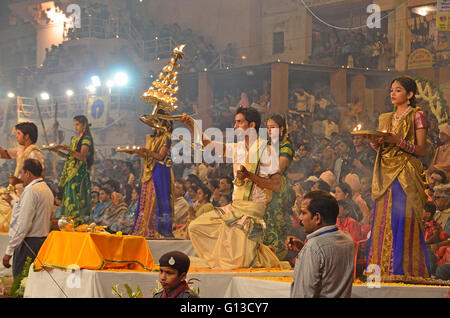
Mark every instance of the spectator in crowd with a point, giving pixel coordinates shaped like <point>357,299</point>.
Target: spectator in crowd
<point>181,210</point>
<point>443,271</point>
<point>363,157</point>
<point>348,224</point>
<point>441,251</point>
<point>114,213</point>
<point>321,185</point>
<point>58,201</point>
<point>441,160</point>
<point>327,157</point>
<point>128,172</point>
<point>366,193</point>
<point>213,186</point>
<point>125,223</point>
<point>302,166</point>
<point>437,177</point>
<point>225,185</point>
<point>224,200</point>
<point>343,191</point>
<point>56,211</point>
<point>191,194</point>
<point>352,180</point>
<point>432,228</point>
<point>95,199</point>
<point>203,203</point>
<point>343,163</point>
<point>105,202</point>
<point>324,265</point>
<point>441,199</point>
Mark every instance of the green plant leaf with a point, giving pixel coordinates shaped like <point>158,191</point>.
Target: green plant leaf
<point>129,290</point>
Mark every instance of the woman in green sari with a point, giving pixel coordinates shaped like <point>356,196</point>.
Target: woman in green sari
<point>75,178</point>
<point>279,209</point>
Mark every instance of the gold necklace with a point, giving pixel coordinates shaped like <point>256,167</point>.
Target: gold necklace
<point>397,118</point>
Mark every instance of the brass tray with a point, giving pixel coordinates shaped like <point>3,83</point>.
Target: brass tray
<point>50,147</point>
<point>374,133</point>
<point>127,148</point>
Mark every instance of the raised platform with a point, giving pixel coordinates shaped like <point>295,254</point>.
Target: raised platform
<point>98,284</point>
<point>253,283</point>
<point>269,287</point>
<point>242,283</point>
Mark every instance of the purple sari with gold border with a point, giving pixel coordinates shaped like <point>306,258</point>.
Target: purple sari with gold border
<point>154,212</point>
<point>396,243</point>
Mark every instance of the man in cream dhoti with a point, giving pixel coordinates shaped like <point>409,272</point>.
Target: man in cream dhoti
<point>231,237</point>
<point>26,136</point>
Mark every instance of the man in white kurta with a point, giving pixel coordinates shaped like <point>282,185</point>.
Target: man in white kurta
<point>26,137</point>
<point>231,237</point>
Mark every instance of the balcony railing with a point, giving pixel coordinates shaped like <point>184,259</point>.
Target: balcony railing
<point>69,107</point>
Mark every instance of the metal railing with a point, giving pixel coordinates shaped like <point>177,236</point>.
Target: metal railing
<point>93,27</point>
<point>69,107</point>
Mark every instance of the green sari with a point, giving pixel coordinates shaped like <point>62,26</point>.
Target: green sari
<point>278,210</point>
<point>76,183</point>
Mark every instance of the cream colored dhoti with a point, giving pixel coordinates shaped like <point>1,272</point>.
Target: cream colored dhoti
<point>5,213</point>
<point>231,237</point>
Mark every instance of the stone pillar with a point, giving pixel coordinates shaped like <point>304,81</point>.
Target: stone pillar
<point>304,25</point>
<point>338,87</point>
<point>279,89</point>
<point>358,88</point>
<point>205,96</point>
<point>402,35</point>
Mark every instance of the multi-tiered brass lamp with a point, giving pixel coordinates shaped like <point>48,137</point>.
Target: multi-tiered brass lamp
<point>162,93</point>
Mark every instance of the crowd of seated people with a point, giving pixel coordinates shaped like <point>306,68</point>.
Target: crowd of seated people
<point>356,49</point>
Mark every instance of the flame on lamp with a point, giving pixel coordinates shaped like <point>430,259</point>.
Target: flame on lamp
<point>357,128</point>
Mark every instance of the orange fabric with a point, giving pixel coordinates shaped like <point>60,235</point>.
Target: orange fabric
<point>94,251</point>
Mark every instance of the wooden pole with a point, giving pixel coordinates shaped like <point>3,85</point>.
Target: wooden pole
<point>55,127</point>
<point>40,117</point>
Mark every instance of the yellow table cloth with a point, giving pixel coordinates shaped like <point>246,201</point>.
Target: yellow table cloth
<point>94,251</point>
